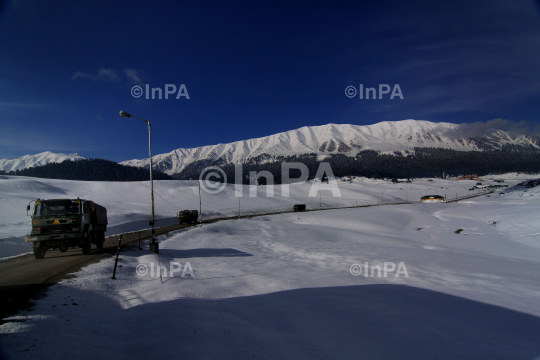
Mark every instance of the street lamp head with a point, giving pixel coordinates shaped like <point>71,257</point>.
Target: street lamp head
<point>124,114</point>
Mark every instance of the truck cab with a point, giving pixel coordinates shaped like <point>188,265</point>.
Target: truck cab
<point>65,223</point>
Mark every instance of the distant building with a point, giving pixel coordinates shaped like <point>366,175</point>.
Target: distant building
<point>432,199</point>
<point>469,177</point>
<point>396,181</point>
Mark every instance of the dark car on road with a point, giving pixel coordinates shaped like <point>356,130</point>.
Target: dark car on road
<point>187,216</point>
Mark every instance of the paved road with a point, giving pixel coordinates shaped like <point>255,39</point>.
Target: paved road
<point>25,270</point>
<point>24,278</point>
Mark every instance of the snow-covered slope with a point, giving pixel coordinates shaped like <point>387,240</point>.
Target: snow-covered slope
<point>388,136</point>
<point>128,203</point>
<point>284,286</point>
<point>29,161</point>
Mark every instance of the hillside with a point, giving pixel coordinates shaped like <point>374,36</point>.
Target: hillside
<point>349,140</point>
<point>89,170</point>
<point>299,280</point>
<point>422,162</point>
<point>408,148</point>
<point>29,161</point>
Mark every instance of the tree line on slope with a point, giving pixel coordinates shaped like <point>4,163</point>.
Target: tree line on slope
<point>422,162</point>
<point>90,170</point>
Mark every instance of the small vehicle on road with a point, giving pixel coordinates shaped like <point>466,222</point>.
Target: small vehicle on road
<point>299,207</point>
<point>187,216</point>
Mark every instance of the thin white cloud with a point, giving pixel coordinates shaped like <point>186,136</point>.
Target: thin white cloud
<point>102,75</point>
<point>133,76</point>
<point>467,130</point>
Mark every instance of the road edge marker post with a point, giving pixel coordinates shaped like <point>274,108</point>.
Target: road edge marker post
<point>117,254</point>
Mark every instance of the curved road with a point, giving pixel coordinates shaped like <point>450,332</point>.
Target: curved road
<point>23,278</point>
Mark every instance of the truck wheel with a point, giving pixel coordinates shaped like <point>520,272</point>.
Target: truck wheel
<point>64,247</point>
<point>86,247</point>
<point>39,251</point>
<point>87,243</point>
<point>100,240</point>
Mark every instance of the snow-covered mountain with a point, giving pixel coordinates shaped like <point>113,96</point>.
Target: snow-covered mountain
<point>387,137</point>
<point>29,161</point>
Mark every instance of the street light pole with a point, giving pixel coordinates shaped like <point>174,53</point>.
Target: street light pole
<point>154,246</point>
<point>200,204</point>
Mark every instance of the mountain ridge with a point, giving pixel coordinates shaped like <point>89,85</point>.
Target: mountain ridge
<point>29,161</point>
<point>325,140</point>
<point>387,137</point>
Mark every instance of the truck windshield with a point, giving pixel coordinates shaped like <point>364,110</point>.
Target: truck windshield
<point>57,208</point>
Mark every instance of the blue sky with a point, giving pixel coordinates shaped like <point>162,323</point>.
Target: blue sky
<point>253,69</point>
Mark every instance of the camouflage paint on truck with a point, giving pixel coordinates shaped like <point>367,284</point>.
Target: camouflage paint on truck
<point>65,223</point>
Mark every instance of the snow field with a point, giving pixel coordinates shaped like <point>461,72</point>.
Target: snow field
<point>280,287</point>
<point>128,203</point>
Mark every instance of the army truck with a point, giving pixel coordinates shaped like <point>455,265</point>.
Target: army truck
<point>187,216</point>
<point>65,223</point>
